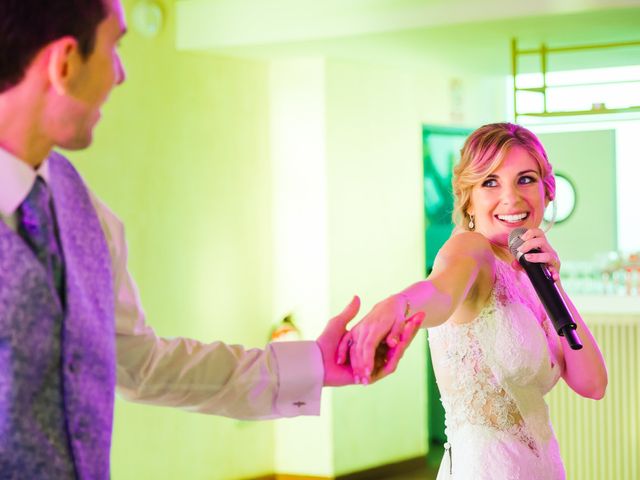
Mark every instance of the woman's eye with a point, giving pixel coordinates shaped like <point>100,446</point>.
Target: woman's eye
<point>491,182</point>
<point>527,179</point>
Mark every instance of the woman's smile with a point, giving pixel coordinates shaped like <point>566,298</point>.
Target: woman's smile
<point>513,219</point>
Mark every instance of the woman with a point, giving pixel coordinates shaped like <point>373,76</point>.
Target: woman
<point>494,350</point>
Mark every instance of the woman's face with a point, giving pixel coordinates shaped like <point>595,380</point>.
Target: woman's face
<point>512,196</point>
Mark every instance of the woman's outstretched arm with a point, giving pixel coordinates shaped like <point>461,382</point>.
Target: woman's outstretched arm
<point>464,259</point>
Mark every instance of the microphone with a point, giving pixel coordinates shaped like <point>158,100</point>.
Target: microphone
<point>547,291</point>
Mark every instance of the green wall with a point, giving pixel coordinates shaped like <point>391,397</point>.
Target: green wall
<point>376,243</point>
<point>375,248</point>
<point>182,157</point>
<point>588,159</point>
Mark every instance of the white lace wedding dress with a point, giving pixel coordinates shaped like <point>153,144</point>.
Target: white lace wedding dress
<point>492,374</point>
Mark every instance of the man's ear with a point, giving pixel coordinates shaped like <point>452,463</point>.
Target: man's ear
<point>64,60</point>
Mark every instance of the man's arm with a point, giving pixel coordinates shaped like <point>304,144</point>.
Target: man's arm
<point>284,379</point>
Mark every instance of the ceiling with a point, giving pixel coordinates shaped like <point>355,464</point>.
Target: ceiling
<point>475,35</point>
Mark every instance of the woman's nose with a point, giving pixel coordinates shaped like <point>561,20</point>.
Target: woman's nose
<point>510,195</point>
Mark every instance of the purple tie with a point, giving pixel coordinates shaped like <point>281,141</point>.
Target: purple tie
<point>38,229</point>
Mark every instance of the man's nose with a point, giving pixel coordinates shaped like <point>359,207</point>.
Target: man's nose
<point>121,74</point>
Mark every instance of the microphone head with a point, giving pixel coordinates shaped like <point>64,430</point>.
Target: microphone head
<point>515,241</point>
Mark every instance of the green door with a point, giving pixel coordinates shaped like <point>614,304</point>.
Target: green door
<point>441,151</point>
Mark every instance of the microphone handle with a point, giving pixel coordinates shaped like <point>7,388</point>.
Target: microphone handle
<point>572,337</point>
<point>552,301</point>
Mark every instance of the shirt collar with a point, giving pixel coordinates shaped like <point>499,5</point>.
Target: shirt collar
<point>17,178</point>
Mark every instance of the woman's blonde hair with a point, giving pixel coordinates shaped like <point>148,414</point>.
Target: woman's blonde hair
<point>483,153</point>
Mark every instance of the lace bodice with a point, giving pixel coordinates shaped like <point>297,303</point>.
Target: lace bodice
<point>495,370</point>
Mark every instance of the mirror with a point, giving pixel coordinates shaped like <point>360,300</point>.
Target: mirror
<point>565,200</point>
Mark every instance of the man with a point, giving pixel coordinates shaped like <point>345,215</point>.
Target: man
<point>71,326</point>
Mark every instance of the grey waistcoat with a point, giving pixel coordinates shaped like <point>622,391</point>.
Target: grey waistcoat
<point>57,366</point>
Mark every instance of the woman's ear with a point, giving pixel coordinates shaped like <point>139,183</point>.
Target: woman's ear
<point>64,60</point>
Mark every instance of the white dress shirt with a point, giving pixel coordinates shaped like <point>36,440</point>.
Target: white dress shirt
<point>283,380</point>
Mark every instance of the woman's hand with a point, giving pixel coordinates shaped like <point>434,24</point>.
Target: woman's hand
<point>385,322</point>
<point>584,370</point>
<point>536,238</point>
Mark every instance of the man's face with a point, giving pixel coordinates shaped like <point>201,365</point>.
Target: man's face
<point>78,110</point>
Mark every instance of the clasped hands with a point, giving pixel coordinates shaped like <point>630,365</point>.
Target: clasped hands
<point>372,349</point>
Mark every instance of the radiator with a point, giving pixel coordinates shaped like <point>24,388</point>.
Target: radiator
<point>599,440</point>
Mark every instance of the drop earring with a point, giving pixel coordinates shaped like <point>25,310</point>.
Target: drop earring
<point>472,224</point>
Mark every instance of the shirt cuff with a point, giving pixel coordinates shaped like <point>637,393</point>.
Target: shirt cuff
<point>300,376</point>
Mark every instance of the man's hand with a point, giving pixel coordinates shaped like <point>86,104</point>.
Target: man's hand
<point>336,374</point>
<point>335,344</point>
<point>384,323</point>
